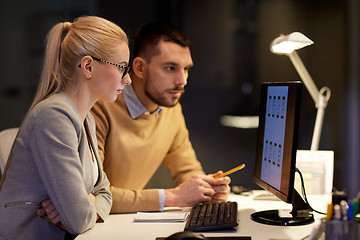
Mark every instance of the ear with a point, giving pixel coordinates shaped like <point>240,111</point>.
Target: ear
<point>87,66</point>
<point>138,66</point>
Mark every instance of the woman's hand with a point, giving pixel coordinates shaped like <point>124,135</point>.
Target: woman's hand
<point>49,212</point>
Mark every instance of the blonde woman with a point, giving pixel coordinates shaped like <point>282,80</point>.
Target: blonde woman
<point>54,186</point>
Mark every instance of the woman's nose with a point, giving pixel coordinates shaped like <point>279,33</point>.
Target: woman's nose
<point>126,80</point>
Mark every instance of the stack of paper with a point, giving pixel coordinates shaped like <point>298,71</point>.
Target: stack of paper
<point>161,216</point>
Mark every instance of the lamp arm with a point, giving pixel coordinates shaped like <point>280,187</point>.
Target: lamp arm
<point>320,98</point>
<point>305,76</point>
<point>317,128</point>
<point>323,96</point>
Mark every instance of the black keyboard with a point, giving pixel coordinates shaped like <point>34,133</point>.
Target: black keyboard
<point>212,216</point>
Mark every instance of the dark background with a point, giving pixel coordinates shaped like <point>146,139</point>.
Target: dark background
<point>230,49</point>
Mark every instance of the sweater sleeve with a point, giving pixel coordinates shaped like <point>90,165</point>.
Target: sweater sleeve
<point>181,159</point>
<point>124,200</point>
<point>179,156</point>
<point>127,200</point>
<point>60,167</point>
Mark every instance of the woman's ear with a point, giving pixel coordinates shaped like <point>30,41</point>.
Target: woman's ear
<point>86,66</point>
<point>138,66</point>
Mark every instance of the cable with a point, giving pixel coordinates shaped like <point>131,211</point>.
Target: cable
<point>304,193</point>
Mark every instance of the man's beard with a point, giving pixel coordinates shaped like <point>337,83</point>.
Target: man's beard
<point>160,97</point>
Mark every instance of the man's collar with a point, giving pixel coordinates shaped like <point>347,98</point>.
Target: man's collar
<point>133,104</point>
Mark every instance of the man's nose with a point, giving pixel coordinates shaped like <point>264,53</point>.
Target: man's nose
<point>182,78</point>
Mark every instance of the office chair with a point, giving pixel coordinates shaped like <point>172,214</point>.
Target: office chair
<point>7,138</point>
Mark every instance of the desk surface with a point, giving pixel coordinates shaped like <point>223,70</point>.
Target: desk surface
<point>121,226</point>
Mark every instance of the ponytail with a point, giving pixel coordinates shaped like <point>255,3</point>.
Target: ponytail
<point>51,81</point>
<point>67,43</point>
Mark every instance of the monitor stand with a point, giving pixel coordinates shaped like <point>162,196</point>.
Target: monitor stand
<point>301,214</point>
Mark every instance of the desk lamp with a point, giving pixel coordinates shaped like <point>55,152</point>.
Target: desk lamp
<point>287,45</point>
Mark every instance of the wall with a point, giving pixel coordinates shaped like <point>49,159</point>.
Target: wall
<point>230,48</point>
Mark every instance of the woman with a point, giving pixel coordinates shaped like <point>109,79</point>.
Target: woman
<point>54,185</point>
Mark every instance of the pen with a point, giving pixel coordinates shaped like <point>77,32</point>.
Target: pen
<point>337,212</point>
<point>329,213</point>
<point>344,209</point>
<point>350,211</point>
<point>355,207</point>
<point>230,171</point>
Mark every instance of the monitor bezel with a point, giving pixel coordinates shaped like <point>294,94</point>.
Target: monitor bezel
<point>290,142</point>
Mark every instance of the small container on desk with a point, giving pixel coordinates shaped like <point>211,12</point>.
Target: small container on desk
<point>341,229</point>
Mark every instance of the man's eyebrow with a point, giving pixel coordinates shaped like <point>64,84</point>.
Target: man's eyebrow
<point>177,64</point>
<point>171,63</point>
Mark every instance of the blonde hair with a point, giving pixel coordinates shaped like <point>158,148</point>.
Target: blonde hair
<point>67,43</point>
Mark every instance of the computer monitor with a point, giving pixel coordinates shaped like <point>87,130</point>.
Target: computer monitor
<point>275,163</point>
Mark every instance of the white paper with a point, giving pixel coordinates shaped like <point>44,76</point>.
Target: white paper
<point>161,217</point>
<point>317,168</point>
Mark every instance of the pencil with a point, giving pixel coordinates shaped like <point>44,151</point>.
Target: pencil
<point>230,171</point>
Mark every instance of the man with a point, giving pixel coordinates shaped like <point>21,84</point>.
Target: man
<point>146,127</point>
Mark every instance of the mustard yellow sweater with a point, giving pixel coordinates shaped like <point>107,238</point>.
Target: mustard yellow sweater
<point>133,149</point>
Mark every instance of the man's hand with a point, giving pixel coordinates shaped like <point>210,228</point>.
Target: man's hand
<point>198,188</point>
<point>221,187</point>
<point>193,190</point>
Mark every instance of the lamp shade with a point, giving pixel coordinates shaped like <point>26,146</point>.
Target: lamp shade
<point>285,44</point>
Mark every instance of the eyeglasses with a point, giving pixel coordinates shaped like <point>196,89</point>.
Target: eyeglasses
<point>126,69</point>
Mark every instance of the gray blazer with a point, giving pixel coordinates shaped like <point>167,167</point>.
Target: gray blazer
<point>51,160</point>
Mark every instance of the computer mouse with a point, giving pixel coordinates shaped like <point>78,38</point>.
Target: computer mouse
<point>186,235</point>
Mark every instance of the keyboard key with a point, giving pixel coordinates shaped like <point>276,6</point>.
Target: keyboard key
<point>212,216</point>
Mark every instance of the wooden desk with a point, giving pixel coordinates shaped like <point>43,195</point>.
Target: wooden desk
<point>121,226</point>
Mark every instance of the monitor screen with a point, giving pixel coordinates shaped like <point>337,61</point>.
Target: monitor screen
<point>275,162</point>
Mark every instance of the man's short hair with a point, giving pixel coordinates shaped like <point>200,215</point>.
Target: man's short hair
<point>149,35</point>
